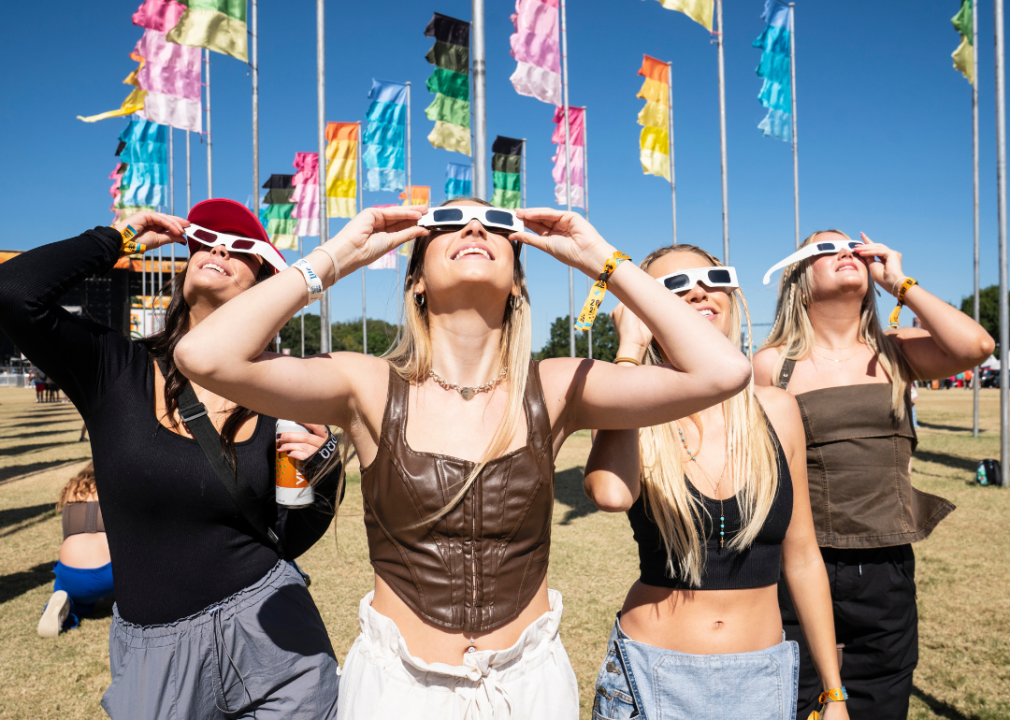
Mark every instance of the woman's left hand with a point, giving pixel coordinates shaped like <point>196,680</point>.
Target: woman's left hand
<point>885,264</point>
<point>567,236</point>
<point>301,446</point>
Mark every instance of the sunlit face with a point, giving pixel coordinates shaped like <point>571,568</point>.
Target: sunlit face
<point>840,273</point>
<point>713,303</point>
<point>217,275</point>
<point>469,258</point>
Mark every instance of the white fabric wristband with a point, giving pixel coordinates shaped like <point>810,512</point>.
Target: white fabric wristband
<point>312,281</point>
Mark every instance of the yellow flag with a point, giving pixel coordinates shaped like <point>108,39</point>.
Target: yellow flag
<point>654,114</point>
<point>134,102</point>
<point>964,60</point>
<point>698,10</point>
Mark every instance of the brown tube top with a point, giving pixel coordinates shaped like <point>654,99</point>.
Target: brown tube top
<point>82,517</point>
<point>479,566</point>
<point>857,468</point>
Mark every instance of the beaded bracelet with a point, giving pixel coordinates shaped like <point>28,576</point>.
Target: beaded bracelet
<point>596,293</point>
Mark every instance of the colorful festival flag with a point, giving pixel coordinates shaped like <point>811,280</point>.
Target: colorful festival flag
<point>964,56</point>
<point>506,169</point>
<point>450,82</point>
<point>776,92</point>
<point>160,15</point>
<point>170,74</point>
<point>275,213</point>
<point>654,118</point>
<point>217,25</point>
<point>306,193</point>
<point>458,181</point>
<point>342,169</point>
<point>384,139</point>
<point>419,195</point>
<point>536,48</point>
<point>145,155</point>
<point>576,155</point>
<point>698,10</point>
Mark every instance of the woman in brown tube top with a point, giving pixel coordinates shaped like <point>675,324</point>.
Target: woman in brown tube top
<point>457,430</point>
<point>851,379</point>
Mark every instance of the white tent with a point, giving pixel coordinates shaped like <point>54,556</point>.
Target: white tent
<point>992,362</point>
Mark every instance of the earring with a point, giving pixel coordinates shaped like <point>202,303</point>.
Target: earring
<point>419,299</point>
<point>516,300</point>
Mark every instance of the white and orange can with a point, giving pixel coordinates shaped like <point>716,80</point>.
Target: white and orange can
<point>293,490</point>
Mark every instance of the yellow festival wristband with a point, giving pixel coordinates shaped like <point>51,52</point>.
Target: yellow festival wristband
<point>596,293</point>
<point>129,246</point>
<point>832,695</point>
<point>909,282</point>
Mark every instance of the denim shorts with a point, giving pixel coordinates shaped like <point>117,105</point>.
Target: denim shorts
<point>642,681</point>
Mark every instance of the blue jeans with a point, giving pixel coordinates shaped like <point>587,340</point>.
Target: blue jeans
<point>85,586</point>
<point>642,681</point>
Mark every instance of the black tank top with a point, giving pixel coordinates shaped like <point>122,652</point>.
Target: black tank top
<point>758,566</point>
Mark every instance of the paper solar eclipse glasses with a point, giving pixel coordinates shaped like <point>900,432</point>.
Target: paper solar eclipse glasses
<point>236,243</point>
<point>496,220</point>
<point>711,277</point>
<point>809,251</point>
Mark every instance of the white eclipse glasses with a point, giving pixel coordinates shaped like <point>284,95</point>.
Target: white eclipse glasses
<point>808,251</point>
<point>497,220</point>
<point>720,276</point>
<point>236,243</point>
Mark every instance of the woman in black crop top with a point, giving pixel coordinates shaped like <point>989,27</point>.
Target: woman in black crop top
<point>194,581</point>
<point>718,505</point>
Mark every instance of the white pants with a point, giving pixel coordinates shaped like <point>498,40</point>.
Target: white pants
<point>532,680</point>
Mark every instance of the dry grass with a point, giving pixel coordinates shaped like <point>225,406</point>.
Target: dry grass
<point>964,671</point>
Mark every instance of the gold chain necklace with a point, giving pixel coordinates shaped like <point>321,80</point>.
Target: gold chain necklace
<point>825,347</point>
<point>694,457</point>
<point>837,360</point>
<point>465,391</point>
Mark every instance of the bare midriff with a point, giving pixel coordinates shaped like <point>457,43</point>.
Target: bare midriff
<point>434,644</point>
<point>703,622</point>
<point>85,551</point>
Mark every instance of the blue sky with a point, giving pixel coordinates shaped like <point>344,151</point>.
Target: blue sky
<point>884,127</point>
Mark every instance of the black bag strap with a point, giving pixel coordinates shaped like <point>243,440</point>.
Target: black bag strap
<point>194,414</point>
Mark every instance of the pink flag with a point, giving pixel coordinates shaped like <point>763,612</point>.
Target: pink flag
<point>576,126</point>
<point>160,15</point>
<point>535,45</point>
<point>576,155</point>
<point>577,162</point>
<point>386,262</point>
<point>168,68</point>
<point>306,184</point>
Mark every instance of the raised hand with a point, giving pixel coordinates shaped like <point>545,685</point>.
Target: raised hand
<point>567,236</point>
<point>884,263</point>
<point>632,334</point>
<point>155,229</point>
<point>374,232</point>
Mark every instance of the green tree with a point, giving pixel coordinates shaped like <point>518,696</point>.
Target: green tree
<point>291,335</point>
<point>988,306</point>
<point>604,340</point>
<point>345,335</point>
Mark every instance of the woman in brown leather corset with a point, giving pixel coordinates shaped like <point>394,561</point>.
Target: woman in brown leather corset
<point>457,430</point>
<point>851,380</point>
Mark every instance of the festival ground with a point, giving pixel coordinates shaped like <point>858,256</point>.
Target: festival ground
<point>964,671</point>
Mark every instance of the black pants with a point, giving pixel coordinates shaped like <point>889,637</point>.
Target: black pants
<point>873,596</point>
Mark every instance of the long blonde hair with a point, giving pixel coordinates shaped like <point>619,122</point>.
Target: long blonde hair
<point>793,334</point>
<point>410,356</point>
<point>752,461</point>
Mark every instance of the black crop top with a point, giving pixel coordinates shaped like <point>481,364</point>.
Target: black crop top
<point>758,566</point>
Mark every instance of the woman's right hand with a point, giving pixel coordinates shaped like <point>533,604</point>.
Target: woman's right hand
<point>374,232</point>
<point>633,336</point>
<point>155,229</point>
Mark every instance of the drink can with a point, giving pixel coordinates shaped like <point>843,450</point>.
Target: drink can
<point>293,490</point>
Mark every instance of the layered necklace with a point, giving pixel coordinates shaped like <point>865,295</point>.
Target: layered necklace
<point>837,360</point>
<point>716,484</point>
<point>465,391</point>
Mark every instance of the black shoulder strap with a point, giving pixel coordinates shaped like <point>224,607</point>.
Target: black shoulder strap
<point>194,414</point>
<point>786,372</point>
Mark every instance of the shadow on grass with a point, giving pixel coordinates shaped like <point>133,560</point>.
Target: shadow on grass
<point>20,472</point>
<point>13,516</point>
<point>33,434</point>
<point>948,428</point>
<point>42,423</point>
<point>941,708</point>
<point>568,489</point>
<point>952,461</point>
<point>15,584</point>
<point>22,449</point>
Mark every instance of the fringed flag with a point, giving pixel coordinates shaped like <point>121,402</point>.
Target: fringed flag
<point>698,10</point>
<point>450,82</point>
<point>217,25</point>
<point>576,156</point>
<point>964,56</point>
<point>655,117</point>
<point>275,213</point>
<point>342,169</point>
<point>776,92</point>
<point>536,47</point>
<point>170,75</point>
<point>306,193</point>
<point>506,167</point>
<point>458,181</point>
<point>145,155</point>
<point>385,140</point>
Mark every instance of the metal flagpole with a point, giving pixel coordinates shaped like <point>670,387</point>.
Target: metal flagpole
<point>522,187</point>
<point>255,68</point>
<point>796,156</point>
<point>585,200</point>
<point>975,380</point>
<point>410,200</point>
<point>479,103</point>
<point>210,161</point>
<point>568,174</point>
<point>301,253</point>
<point>1004,306</point>
<point>143,296</point>
<point>722,133</point>
<point>324,301</point>
<point>364,313</point>
<point>171,187</point>
<point>673,165</point>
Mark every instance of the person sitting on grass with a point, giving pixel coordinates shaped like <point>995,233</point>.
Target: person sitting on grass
<point>84,569</point>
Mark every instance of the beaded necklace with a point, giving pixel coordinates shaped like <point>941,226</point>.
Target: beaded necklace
<point>693,456</point>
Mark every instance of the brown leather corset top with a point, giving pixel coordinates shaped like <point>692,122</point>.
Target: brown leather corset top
<point>857,467</point>
<point>479,566</point>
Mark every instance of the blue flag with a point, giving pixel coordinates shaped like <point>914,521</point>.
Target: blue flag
<point>776,91</point>
<point>384,139</point>
<point>458,181</point>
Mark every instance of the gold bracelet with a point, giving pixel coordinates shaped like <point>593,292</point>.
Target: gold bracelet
<point>631,360</point>
<point>333,260</point>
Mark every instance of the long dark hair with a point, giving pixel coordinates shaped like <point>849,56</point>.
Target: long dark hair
<point>162,345</point>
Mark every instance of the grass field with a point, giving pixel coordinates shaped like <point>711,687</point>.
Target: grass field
<point>964,670</point>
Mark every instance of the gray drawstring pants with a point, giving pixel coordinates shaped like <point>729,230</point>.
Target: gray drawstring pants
<point>261,653</point>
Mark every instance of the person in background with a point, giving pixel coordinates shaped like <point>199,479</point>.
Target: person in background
<point>84,569</point>
<point>40,386</point>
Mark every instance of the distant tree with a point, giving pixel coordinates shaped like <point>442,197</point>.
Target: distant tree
<point>604,340</point>
<point>291,335</point>
<point>988,307</point>
<point>345,335</point>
